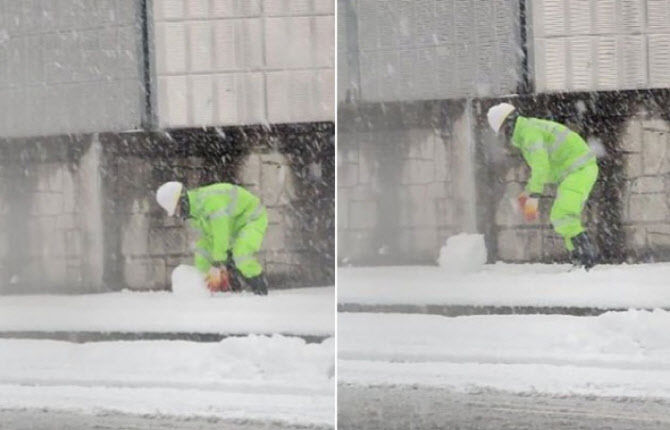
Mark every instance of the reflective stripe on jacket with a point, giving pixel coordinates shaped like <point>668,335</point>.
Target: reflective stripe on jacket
<point>552,151</point>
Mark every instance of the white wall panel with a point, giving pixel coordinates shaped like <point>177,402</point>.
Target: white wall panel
<point>606,21</point>
<point>201,50</point>
<point>633,62</point>
<point>606,44</point>
<point>631,18</point>
<point>202,93</point>
<point>216,59</point>
<point>579,17</point>
<point>658,16</point>
<point>607,63</point>
<point>659,60</point>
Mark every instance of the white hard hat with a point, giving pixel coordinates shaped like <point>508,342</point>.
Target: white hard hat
<point>497,114</point>
<point>168,195</point>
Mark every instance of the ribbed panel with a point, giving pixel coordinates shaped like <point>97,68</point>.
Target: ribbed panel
<point>658,16</point>
<point>554,18</point>
<point>605,17</point>
<point>607,72</point>
<point>659,60</point>
<point>555,64</point>
<point>631,16</point>
<point>581,72</point>
<point>606,42</point>
<point>633,62</point>
<point>580,17</point>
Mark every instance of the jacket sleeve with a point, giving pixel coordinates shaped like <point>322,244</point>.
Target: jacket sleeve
<point>220,228</point>
<point>202,255</point>
<point>538,159</point>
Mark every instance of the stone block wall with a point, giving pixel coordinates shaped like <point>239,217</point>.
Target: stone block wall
<point>400,183</point>
<point>49,212</point>
<point>79,215</point>
<point>646,215</point>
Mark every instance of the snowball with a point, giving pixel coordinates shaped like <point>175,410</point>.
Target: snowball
<point>188,282</point>
<point>463,253</point>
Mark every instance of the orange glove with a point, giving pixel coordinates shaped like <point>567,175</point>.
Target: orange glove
<point>217,279</point>
<point>529,206</point>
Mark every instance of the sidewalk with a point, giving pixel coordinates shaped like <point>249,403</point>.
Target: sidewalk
<point>303,312</point>
<point>504,289</point>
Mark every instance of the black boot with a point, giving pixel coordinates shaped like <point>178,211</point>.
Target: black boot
<point>233,277</point>
<point>585,253</point>
<point>235,284</point>
<point>259,285</point>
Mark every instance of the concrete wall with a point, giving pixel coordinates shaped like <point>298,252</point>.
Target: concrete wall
<point>429,49</point>
<point>51,215</point>
<point>69,67</point>
<point>224,62</point>
<point>79,215</point>
<point>403,179</point>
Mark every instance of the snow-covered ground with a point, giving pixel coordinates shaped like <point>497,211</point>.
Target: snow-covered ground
<point>605,286</point>
<point>248,378</point>
<point>302,311</point>
<point>615,354</point>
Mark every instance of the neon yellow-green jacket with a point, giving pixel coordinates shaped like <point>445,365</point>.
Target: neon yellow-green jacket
<point>552,151</point>
<point>218,212</point>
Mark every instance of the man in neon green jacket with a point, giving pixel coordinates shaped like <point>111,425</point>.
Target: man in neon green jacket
<point>558,155</point>
<point>230,220</point>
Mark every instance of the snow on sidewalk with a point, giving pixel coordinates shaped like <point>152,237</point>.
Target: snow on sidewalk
<point>606,286</point>
<point>301,311</point>
<point>255,377</point>
<point>617,353</point>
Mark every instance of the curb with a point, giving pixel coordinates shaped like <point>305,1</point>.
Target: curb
<point>93,336</point>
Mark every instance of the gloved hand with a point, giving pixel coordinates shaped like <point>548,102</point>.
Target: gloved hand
<point>529,206</point>
<point>217,279</point>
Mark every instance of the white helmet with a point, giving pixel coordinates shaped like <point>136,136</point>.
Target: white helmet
<point>168,195</point>
<point>497,114</point>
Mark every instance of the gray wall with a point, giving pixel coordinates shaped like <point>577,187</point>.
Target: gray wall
<point>404,181</point>
<point>429,49</point>
<point>69,66</point>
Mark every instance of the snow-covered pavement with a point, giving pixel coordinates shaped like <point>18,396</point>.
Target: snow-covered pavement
<point>301,311</point>
<point>615,354</point>
<point>247,378</point>
<point>605,286</point>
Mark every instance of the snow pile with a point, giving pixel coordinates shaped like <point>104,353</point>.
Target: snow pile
<point>463,253</point>
<point>255,377</point>
<point>604,286</point>
<point>188,283</point>
<point>617,353</point>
